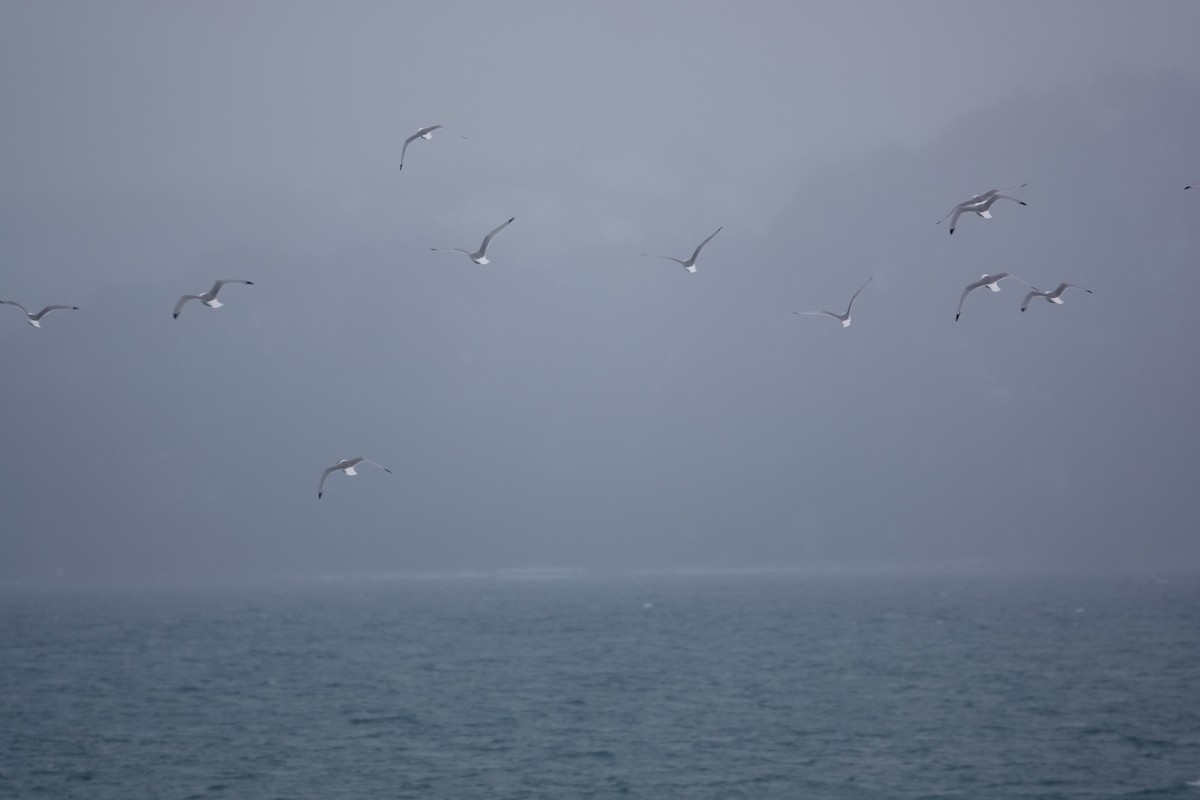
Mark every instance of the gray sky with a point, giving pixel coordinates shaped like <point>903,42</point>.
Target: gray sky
<point>573,403</point>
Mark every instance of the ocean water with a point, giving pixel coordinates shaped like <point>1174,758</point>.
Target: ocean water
<point>701,686</point>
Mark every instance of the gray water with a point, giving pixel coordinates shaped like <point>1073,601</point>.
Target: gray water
<point>692,687</point>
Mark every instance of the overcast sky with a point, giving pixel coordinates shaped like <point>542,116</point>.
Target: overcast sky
<point>574,403</point>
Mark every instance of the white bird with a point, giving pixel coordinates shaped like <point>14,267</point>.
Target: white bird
<point>36,319</point>
<point>690,264</point>
<point>423,133</point>
<point>990,281</point>
<point>346,465</point>
<point>980,204</point>
<point>209,298</point>
<point>1053,296</point>
<point>478,256</point>
<point>843,318</point>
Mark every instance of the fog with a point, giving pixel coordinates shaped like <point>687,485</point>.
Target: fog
<point>573,403</point>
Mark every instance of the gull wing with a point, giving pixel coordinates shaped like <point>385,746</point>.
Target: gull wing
<point>1029,297</point>
<point>325,476</point>
<point>404,149</point>
<point>668,258</point>
<point>412,139</point>
<point>183,301</point>
<point>953,215</point>
<point>487,239</point>
<point>700,246</point>
<point>854,296</point>
<point>957,208</point>
<point>217,286</point>
<point>48,309</point>
<point>14,303</point>
<point>1002,196</point>
<point>984,281</point>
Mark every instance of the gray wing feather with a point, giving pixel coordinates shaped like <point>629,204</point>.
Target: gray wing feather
<point>183,301</point>
<point>668,258</point>
<point>700,246</point>
<point>48,309</point>
<point>325,476</point>
<point>855,295</point>
<point>217,286</point>
<point>487,239</point>
<point>14,303</point>
<point>984,281</point>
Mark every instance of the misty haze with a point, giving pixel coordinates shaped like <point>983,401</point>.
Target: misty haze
<point>627,497</point>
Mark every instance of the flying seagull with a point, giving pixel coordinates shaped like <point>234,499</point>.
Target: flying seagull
<point>980,204</point>
<point>690,264</point>
<point>209,298</point>
<point>346,465</point>
<point>478,256</point>
<point>1054,295</point>
<point>990,281</point>
<point>423,133</point>
<point>843,318</point>
<point>36,319</point>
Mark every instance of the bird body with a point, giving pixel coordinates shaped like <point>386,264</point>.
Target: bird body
<point>480,255</point>
<point>689,264</point>
<point>346,465</point>
<point>843,318</point>
<point>208,298</point>
<point>980,204</point>
<point>990,281</point>
<point>1053,296</point>
<point>36,319</point>
<point>422,133</point>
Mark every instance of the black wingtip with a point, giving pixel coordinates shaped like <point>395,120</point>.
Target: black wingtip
<point>1186,188</point>
<point>319,495</point>
<point>956,316</point>
<point>174,316</point>
<point>510,219</point>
